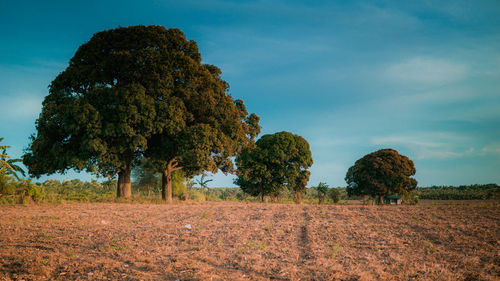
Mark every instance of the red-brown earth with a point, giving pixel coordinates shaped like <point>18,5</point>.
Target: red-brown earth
<point>249,241</point>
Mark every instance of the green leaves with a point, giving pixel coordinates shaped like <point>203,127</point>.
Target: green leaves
<point>139,91</point>
<point>279,161</point>
<point>381,173</point>
<point>9,165</point>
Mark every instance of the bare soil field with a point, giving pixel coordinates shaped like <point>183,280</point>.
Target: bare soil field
<point>249,241</point>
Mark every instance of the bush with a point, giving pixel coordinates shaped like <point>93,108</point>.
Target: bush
<point>410,198</point>
<point>7,184</point>
<point>334,194</point>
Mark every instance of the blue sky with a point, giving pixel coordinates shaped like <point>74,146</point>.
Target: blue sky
<point>351,77</point>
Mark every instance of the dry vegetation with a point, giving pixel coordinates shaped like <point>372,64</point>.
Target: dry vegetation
<point>249,241</point>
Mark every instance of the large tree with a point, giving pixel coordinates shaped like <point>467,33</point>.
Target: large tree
<point>204,126</point>
<point>278,161</point>
<point>134,91</point>
<point>381,173</point>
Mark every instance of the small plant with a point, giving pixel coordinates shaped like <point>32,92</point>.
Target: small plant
<point>45,262</point>
<point>335,249</point>
<point>204,215</point>
<point>257,245</point>
<point>47,235</point>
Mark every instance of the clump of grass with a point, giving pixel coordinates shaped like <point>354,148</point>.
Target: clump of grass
<point>256,245</point>
<point>205,215</point>
<point>115,245</point>
<point>429,249</point>
<point>335,249</point>
<point>45,262</point>
<point>47,235</point>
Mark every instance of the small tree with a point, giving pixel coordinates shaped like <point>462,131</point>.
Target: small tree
<point>381,173</point>
<point>278,161</point>
<point>9,165</point>
<point>203,185</point>
<point>334,194</point>
<point>321,190</point>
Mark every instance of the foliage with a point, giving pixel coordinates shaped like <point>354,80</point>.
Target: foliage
<point>381,173</point>
<point>463,192</point>
<point>134,90</point>
<point>101,109</point>
<point>321,190</point>
<point>7,183</point>
<point>179,187</point>
<point>202,181</point>
<point>147,179</point>
<point>278,161</point>
<point>334,194</point>
<point>201,126</point>
<point>9,165</point>
<point>411,198</point>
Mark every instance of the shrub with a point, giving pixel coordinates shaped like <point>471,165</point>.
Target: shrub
<point>334,194</point>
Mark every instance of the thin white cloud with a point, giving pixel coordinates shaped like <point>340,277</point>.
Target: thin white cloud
<point>426,70</point>
<point>492,148</point>
<point>429,145</point>
<point>22,106</point>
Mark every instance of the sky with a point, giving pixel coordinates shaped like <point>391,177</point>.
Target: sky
<point>351,77</point>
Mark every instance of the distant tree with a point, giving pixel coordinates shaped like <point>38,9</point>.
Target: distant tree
<point>334,194</point>
<point>278,161</point>
<point>381,173</point>
<point>321,189</point>
<point>203,185</point>
<point>146,176</point>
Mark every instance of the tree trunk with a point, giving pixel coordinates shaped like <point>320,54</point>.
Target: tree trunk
<point>320,199</point>
<point>124,188</point>
<point>381,200</point>
<point>166,186</point>
<point>298,197</point>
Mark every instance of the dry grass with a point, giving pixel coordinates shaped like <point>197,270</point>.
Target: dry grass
<point>240,241</point>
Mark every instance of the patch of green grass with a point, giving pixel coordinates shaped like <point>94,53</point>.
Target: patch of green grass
<point>256,245</point>
<point>45,262</point>
<point>116,245</point>
<point>47,235</point>
<point>335,249</point>
<point>205,215</point>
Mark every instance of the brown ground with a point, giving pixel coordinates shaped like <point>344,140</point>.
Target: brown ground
<point>239,241</point>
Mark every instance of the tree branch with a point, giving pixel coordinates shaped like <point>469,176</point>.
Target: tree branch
<point>173,165</point>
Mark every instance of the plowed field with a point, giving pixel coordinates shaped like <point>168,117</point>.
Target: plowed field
<point>240,241</point>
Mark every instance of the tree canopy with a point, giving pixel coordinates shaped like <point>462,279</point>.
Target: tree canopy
<point>381,173</point>
<point>138,90</point>
<point>278,161</point>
